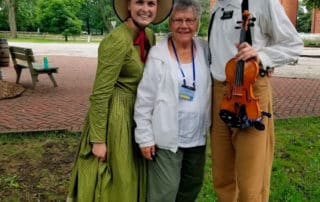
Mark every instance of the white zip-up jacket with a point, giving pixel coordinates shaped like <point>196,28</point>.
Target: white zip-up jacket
<point>156,107</point>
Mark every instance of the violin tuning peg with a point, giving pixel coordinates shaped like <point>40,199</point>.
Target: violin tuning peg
<point>251,24</point>
<point>239,22</point>
<point>253,19</point>
<point>237,27</point>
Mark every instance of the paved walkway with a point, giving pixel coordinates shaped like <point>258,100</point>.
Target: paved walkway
<point>296,92</point>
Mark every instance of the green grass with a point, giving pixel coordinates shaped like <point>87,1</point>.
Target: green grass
<point>50,38</point>
<point>312,42</point>
<point>37,165</point>
<point>56,40</point>
<point>296,166</point>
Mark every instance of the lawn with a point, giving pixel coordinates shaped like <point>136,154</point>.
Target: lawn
<point>36,166</point>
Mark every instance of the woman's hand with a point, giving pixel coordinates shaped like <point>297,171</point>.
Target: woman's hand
<point>148,152</point>
<point>100,150</point>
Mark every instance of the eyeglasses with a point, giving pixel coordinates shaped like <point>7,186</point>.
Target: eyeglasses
<point>188,21</point>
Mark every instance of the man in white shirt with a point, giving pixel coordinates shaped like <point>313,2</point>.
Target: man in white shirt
<point>242,154</point>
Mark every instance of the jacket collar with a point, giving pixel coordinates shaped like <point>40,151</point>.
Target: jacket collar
<point>232,4</point>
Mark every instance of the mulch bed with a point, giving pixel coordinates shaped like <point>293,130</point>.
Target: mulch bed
<point>10,90</point>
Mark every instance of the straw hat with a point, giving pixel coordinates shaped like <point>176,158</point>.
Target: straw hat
<point>164,8</point>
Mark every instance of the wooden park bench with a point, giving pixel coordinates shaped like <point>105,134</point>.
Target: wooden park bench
<point>23,58</point>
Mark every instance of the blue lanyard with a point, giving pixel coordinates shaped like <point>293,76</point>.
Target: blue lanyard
<point>193,65</point>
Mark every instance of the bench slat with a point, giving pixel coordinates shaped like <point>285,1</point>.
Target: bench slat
<point>23,58</point>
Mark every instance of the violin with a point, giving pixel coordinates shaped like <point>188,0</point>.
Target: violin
<point>239,107</point>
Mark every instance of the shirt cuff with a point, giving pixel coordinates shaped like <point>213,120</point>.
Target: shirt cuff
<point>265,61</point>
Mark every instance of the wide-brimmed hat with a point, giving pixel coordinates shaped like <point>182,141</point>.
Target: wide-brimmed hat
<point>164,8</point>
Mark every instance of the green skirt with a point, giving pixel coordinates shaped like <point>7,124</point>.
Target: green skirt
<point>122,177</point>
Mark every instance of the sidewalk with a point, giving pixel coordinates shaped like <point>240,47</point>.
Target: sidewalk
<point>296,92</point>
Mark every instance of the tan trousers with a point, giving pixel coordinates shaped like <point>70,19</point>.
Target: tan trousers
<point>242,158</point>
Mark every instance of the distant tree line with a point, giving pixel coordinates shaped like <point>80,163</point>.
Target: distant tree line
<point>66,17</point>
<point>71,17</point>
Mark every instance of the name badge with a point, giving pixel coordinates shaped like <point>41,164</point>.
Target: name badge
<point>227,15</point>
<point>186,92</point>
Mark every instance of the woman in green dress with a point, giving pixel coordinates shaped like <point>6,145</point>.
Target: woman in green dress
<point>109,166</point>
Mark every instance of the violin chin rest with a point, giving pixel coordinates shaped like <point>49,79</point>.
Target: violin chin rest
<point>233,120</point>
<point>240,120</point>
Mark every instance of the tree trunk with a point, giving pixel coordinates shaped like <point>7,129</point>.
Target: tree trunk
<point>88,25</point>
<point>12,17</point>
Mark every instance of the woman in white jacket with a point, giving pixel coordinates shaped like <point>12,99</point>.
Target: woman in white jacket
<point>172,109</point>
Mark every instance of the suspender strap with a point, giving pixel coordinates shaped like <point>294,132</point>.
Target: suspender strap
<point>210,25</point>
<point>209,33</point>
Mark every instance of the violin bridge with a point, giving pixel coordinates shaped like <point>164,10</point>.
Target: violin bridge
<point>237,94</point>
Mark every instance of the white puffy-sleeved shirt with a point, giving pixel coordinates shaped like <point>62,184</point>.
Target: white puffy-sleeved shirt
<point>273,35</point>
<point>158,110</point>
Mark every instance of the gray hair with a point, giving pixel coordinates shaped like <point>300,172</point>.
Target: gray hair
<point>185,4</point>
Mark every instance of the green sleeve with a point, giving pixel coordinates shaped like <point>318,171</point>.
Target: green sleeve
<point>111,56</point>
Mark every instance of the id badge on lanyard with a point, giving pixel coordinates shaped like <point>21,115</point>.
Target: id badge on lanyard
<point>186,92</point>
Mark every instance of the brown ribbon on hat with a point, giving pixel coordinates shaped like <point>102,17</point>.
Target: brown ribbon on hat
<point>143,42</point>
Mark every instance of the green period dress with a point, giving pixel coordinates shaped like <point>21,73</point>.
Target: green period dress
<point>122,177</point>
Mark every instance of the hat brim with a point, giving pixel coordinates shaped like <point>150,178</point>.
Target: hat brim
<point>164,8</point>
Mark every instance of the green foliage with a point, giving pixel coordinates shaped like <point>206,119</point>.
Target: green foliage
<point>304,21</point>
<point>204,23</point>
<point>105,8</point>
<point>312,42</point>
<point>4,24</point>
<point>96,15</point>
<point>312,3</point>
<point>205,18</point>
<point>59,17</point>
<point>26,15</point>
<point>303,18</point>
<point>163,27</point>
<point>10,180</point>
